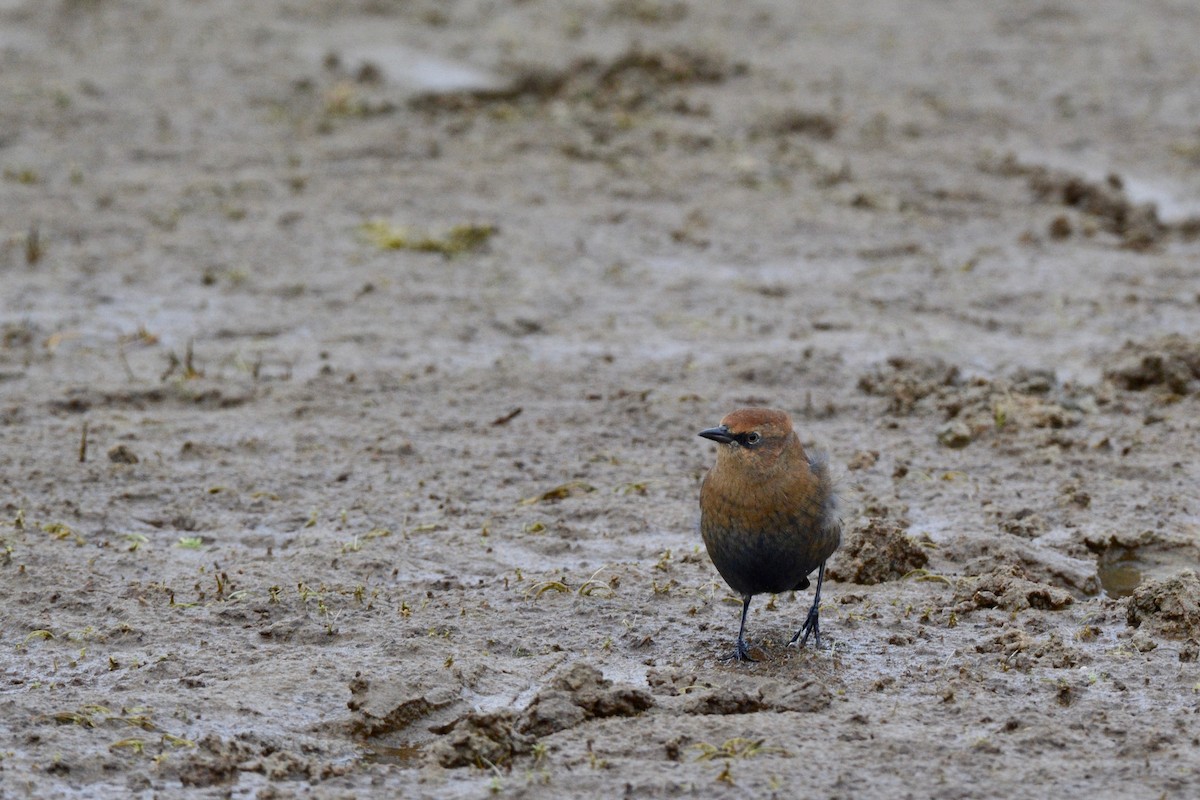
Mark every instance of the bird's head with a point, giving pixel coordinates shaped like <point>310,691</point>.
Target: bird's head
<point>754,438</point>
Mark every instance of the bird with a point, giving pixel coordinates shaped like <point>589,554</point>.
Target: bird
<point>768,513</point>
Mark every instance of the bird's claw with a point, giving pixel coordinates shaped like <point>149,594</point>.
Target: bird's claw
<point>740,653</point>
<point>811,625</point>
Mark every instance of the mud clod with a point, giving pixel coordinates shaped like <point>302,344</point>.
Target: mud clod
<point>977,407</point>
<point>806,696</point>
<point>480,740</point>
<point>905,382</point>
<point>875,551</point>
<point>1137,224</point>
<point>1009,588</point>
<point>1172,363</point>
<point>723,701</point>
<point>671,682</point>
<point>1022,651</point>
<point>955,435</point>
<point>386,708</point>
<point>122,455</point>
<point>551,711</point>
<point>1169,607</point>
<point>578,694</point>
<point>217,760</point>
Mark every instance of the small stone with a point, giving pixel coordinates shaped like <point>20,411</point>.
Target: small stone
<point>1142,642</point>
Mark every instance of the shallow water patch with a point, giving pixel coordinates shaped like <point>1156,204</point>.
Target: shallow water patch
<point>1120,570</point>
<point>403,755</point>
<point>1122,567</point>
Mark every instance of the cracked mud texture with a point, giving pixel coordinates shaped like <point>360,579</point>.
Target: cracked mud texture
<point>352,356</point>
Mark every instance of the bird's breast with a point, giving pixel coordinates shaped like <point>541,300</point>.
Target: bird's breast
<point>767,536</point>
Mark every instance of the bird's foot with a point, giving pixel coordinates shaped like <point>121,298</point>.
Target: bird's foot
<point>811,625</point>
<point>740,653</point>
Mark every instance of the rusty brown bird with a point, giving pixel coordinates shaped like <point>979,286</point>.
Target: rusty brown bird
<point>768,513</point>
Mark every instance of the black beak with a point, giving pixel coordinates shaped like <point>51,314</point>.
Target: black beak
<point>717,434</point>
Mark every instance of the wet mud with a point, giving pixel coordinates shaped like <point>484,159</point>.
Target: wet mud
<point>352,357</point>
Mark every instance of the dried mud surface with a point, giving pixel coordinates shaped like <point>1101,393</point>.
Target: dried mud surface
<point>352,355</point>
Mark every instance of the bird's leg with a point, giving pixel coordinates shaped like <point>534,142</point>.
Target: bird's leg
<point>742,652</point>
<point>812,624</point>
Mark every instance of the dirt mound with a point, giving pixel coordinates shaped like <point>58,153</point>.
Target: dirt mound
<point>1172,362</point>
<point>978,407</point>
<point>875,551</point>
<point>385,708</point>
<point>1010,588</point>
<point>807,696</point>
<point>578,694</point>
<point>1100,205</point>
<point>724,700</point>
<point>905,381</point>
<point>1022,651</point>
<point>986,408</point>
<point>477,738</point>
<point>216,760</point>
<point>1105,201</point>
<point>481,739</point>
<point>1035,560</point>
<point>1169,607</point>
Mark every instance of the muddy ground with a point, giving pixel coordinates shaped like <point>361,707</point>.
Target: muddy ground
<point>353,353</point>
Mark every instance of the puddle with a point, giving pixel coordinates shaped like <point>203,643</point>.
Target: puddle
<point>406,67</point>
<point>1120,571</point>
<point>404,755</point>
<point>1122,568</point>
<point>1174,203</point>
<point>420,71</point>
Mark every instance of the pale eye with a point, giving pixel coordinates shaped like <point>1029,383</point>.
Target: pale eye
<point>753,438</point>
